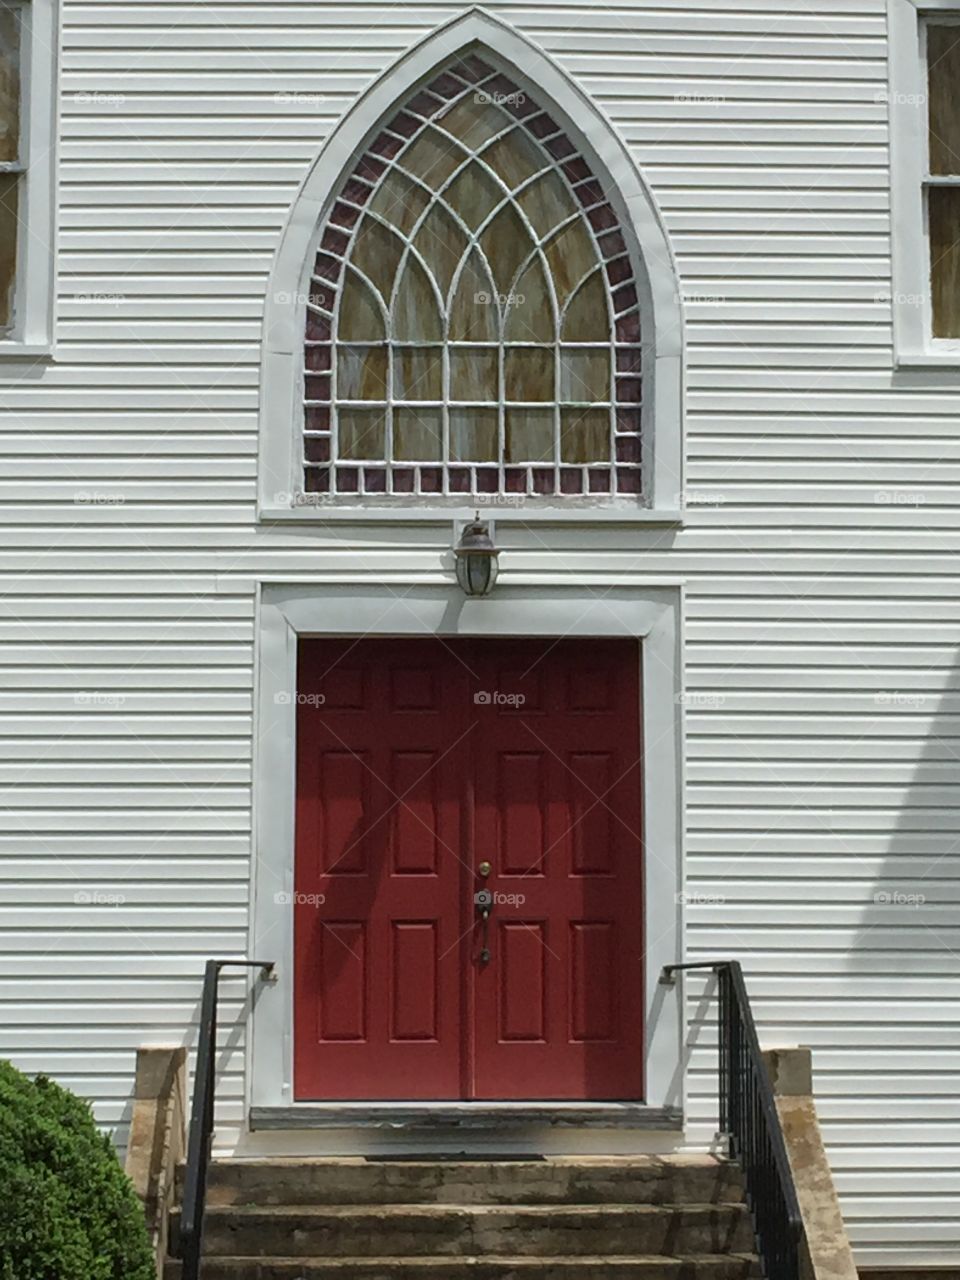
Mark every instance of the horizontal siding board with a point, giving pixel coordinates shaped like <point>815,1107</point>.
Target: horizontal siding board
<point>36,876</point>
<point>103,936</point>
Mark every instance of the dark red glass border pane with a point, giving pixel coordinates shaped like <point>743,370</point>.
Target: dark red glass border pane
<point>316,448</point>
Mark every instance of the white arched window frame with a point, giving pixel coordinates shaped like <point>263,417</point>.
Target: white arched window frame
<point>281,391</point>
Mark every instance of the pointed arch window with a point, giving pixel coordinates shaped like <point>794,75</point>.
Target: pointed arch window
<point>473,323</point>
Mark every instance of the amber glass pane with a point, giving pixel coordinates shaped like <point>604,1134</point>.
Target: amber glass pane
<point>362,373</point>
<point>530,310</point>
<point>474,312</point>
<point>400,200</point>
<point>417,434</point>
<point>416,314</point>
<point>360,318</point>
<point>474,373</point>
<point>473,122</point>
<point>945,260</point>
<point>546,202</point>
<point>943,63</point>
<point>571,255</point>
<point>442,244</point>
<point>506,245</point>
<point>376,253</point>
<point>528,373</point>
<point>585,374</point>
<point>432,157</point>
<point>586,319</point>
<point>361,433</point>
<point>529,435</point>
<point>474,434</point>
<point>514,159</point>
<point>9,83</point>
<point>418,373</point>
<point>473,195</point>
<point>9,191</point>
<point>584,435</point>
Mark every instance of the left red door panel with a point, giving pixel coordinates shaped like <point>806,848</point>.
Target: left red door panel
<point>378,877</point>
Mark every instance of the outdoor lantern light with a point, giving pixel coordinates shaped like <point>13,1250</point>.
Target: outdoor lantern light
<point>476,559</point>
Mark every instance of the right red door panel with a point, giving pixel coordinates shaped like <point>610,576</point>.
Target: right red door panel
<point>558,1004</point>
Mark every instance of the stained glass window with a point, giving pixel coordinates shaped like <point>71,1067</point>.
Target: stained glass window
<point>473,322</point>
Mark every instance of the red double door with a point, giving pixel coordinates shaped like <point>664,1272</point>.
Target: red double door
<point>430,771</point>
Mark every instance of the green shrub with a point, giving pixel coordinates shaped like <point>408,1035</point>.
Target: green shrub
<point>67,1209</point>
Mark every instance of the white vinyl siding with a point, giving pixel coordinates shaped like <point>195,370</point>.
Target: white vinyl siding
<point>820,548</point>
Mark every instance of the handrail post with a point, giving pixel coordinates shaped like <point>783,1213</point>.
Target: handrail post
<point>200,1135</point>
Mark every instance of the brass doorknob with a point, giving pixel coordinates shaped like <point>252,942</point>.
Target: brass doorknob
<point>484,869</point>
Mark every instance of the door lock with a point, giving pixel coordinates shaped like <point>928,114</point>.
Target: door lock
<point>484,869</point>
<point>483,901</point>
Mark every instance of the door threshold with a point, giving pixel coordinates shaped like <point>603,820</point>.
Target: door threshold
<point>406,1116</point>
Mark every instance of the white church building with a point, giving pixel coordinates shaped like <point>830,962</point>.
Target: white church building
<point>480,524</point>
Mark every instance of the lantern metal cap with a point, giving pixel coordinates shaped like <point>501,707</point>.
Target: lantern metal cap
<point>475,539</point>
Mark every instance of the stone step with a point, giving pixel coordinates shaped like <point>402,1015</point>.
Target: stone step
<point>580,1180</point>
<point>688,1267</point>
<point>418,1231</point>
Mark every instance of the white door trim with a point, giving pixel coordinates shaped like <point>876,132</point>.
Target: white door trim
<point>650,612</point>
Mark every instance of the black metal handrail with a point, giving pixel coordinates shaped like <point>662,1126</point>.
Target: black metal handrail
<point>200,1138</point>
<point>750,1121</point>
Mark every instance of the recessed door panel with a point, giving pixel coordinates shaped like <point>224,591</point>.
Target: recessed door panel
<point>343,784</point>
<point>520,955</point>
<point>414,974</point>
<point>343,959</point>
<point>594,985</point>
<point>519,810</point>
<point>591,838</point>
<point>415,817</point>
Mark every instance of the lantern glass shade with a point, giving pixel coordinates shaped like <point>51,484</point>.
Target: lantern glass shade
<point>476,560</point>
<point>477,572</point>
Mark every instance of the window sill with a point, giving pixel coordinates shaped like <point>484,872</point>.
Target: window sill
<point>943,359</point>
<point>501,512</point>
<point>10,349</point>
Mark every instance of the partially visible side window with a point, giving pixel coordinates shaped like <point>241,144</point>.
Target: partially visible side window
<point>29,41</point>
<point>12,175</point>
<point>924,113</point>
<point>942,176</point>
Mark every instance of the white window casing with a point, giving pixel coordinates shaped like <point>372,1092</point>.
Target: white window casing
<point>280,471</point>
<point>31,334</point>
<point>914,345</point>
